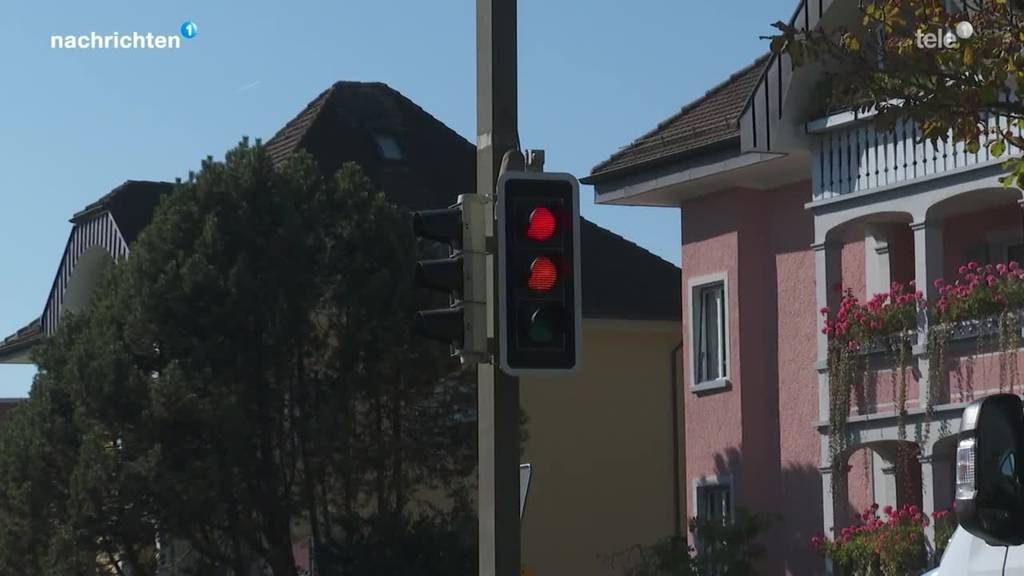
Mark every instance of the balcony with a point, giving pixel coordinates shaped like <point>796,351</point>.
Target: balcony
<point>850,155</point>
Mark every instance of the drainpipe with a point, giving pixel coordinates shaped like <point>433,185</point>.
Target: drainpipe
<point>676,511</point>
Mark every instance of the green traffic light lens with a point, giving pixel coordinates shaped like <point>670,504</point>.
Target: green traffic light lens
<point>544,326</point>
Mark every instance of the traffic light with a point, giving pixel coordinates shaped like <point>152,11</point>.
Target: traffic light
<point>539,282</point>
<point>463,275</point>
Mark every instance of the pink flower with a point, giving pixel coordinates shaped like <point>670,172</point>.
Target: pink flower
<point>962,270</point>
<point>1002,269</point>
<point>1014,265</point>
<point>972,265</point>
<point>887,510</point>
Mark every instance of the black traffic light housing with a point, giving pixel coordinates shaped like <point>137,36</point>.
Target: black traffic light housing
<point>463,324</point>
<point>539,283</point>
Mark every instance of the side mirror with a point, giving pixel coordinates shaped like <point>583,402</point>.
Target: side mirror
<point>989,487</point>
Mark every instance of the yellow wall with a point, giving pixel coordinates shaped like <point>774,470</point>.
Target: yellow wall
<point>601,449</point>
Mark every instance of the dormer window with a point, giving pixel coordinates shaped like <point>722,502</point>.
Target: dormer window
<point>388,146</point>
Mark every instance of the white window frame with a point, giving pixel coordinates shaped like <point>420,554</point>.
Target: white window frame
<point>694,288</point>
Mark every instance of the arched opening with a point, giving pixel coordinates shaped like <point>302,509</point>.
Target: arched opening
<point>92,265</point>
<point>983,226</point>
<point>887,473</point>
<point>877,250</point>
<point>943,460</point>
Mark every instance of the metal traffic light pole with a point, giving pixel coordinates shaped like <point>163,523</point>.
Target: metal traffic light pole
<point>498,393</point>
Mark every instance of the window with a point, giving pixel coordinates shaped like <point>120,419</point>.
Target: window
<point>714,505</point>
<point>709,333</point>
<point>714,502</point>
<point>999,247</point>
<point>388,146</point>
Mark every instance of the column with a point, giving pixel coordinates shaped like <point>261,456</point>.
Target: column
<point>877,264</point>
<point>928,496</point>
<point>884,480</point>
<point>928,266</point>
<point>928,258</point>
<point>828,264</point>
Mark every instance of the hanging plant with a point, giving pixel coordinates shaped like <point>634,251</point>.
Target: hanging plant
<point>887,323</point>
<point>979,295</point>
<point>939,335</point>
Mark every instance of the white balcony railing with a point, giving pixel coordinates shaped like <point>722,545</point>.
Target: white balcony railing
<point>851,155</point>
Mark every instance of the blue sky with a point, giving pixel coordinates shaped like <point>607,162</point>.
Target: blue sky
<point>594,75</point>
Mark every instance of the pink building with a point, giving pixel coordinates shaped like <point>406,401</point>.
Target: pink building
<point>779,202</point>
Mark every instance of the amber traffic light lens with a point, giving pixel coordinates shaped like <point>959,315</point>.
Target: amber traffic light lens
<point>543,274</point>
<point>542,225</point>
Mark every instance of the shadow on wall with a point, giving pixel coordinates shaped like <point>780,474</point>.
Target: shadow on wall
<point>799,508</point>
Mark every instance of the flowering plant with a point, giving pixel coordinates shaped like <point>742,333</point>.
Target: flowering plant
<point>889,545</point>
<point>890,317</point>
<point>886,314</point>
<point>980,291</point>
<point>945,525</point>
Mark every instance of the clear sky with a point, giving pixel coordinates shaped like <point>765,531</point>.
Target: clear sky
<point>594,75</point>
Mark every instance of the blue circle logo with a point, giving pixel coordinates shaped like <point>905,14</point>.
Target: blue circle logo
<point>189,29</point>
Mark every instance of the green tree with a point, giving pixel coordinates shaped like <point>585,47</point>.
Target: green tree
<point>250,366</point>
<point>880,63</point>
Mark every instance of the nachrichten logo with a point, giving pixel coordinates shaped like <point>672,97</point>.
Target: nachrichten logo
<point>127,41</point>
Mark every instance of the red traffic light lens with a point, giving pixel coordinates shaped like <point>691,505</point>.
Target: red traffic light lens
<point>542,224</point>
<point>543,274</point>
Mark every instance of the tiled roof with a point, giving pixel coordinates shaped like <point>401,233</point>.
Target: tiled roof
<point>24,338</point>
<point>132,205</point>
<point>289,138</point>
<point>344,124</point>
<point>621,280</point>
<point>711,119</point>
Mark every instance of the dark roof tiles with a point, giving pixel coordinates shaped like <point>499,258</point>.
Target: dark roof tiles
<point>620,279</point>
<point>711,119</point>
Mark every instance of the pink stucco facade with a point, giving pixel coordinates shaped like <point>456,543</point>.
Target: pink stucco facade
<point>759,431</point>
<point>763,432</point>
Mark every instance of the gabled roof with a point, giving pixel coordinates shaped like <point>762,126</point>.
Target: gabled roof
<point>132,205</point>
<point>113,222</point>
<point>347,122</point>
<point>343,124</point>
<point>711,120</point>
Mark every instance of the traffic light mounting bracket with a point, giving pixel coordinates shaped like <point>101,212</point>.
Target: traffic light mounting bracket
<point>476,209</point>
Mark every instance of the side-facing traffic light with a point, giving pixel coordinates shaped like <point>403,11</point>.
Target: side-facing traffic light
<point>538,272</point>
<point>463,275</point>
